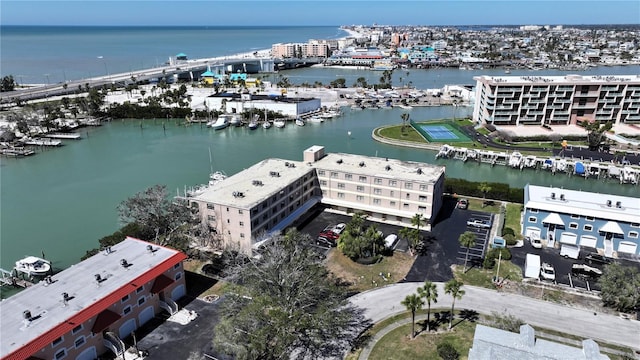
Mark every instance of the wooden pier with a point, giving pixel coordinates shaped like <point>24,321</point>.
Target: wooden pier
<point>7,278</point>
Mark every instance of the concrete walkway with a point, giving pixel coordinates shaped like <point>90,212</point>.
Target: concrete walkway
<point>381,303</point>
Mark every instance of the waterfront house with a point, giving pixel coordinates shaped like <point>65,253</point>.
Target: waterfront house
<point>270,195</point>
<point>608,224</point>
<point>87,309</point>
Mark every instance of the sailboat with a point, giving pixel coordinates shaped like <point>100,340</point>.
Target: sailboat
<point>253,124</point>
<point>279,123</point>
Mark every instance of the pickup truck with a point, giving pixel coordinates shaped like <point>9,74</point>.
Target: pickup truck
<point>479,223</point>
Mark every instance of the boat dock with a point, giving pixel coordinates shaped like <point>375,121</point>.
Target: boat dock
<point>7,278</point>
<point>43,142</point>
<point>587,168</point>
<point>68,136</point>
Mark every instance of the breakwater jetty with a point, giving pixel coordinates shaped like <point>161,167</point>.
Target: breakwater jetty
<point>624,171</point>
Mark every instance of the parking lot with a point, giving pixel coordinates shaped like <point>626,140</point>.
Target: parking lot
<point>482,234</point>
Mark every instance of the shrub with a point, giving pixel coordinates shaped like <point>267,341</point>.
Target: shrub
<point>510,239</point>
<point>446,351</point>
<point>508,231</point>
<point>493,254</point>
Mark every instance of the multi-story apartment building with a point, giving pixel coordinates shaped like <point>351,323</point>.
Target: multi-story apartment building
<point>87,309</point>
<point>313,48</point>
<point>273,193</point>
<point>608,223</point>
<point>557,100</point>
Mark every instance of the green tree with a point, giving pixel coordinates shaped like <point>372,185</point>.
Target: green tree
<point>595,132</point>
<point>286,303</point>
<point>8,83</point>
<point>484,188</point>
<point>405,121</point>
<point>413,303</point>
<point>429,292</point>
<point>467,239</point>
<point>418,220</point>
<point>620,287</point>
<point>453,287</point>
<point>447,351</point>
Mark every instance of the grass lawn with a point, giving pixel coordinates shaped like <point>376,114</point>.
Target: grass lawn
<point>395,132</point>
<point>477,205</point>
<point>398,344</point>
<point>483,277</point>
<point>512,218</point>
<point>366,277</point>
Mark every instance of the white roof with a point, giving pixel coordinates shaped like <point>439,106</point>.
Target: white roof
<point>558,80</point>
<point>597,205</point>
<point>612,227</point>
<point>553,218</point>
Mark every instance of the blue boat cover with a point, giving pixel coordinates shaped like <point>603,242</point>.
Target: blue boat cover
<point>579,168</point>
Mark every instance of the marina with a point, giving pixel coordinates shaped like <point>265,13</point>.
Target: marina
<point>623,172</point>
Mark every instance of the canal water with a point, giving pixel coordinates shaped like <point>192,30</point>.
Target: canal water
<point>61,201</point>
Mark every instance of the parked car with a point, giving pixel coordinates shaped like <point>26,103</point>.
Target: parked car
<point>597,259</point>
<point>391,240</point>
<point>536,242</point>
<point>585,271</point>
<point>338,229</point>
<point>323,241</point>
<point>329,233</point>
<point>479,223</point>
<point>462,204</point>
<point>547,272</point>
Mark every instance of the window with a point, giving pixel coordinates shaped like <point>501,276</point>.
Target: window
<point>141,300</point>
<point>125,298</point>
<point>241,223</point>
<point>228,221</point>
<point>210,206</point>
<point>323,182</point>
<point>633,234</point>
<point>424,187</point>
<point>227,209</point>
<point>574,216</point>
<point>79,341</point>
<point>126,310</point>
<point>139,290</point>
<point>393,182</point>
<point>587,228</point>
<point>377,191</point>
<point>392,193</point>
<point>360,198</point>
<point>321,172</point>
<point>242,235</point>
<point>179,275</point>
<point>408,185</point>
<point>176,266</point>
<point>340,185</point>
<point>422,209</point>
<point>240,211</point>
<point>533,211</point>
<point>362,179</point>
<point>377,181</point>
<point>635,225</point>
<point>533,219</point>
<point>405,205</point>
<point>392,203</point>
<point>211,218</point>
<point>360,188</point>
<point>589,218</point>
<point>348,176</point>
<point>376,201</point>
<point>334,174</point>
<point>422,198</point>
<point>573,225</point>
<point>408,196</point>
<point>76,329</point>
<point>57,341</point>
<point>60,354</point>
<point>341,195</point>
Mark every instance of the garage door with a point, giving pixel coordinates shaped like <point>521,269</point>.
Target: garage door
<point>127,328</point>
<point>627,247</point>
<point>588,241</point>
<point>569,238</point>
<point>145,315</point>
<point>178,292</point>
<point>88,354</point>
<point>532,232</point>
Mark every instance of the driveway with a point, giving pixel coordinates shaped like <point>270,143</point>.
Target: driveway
<point>384,302</point>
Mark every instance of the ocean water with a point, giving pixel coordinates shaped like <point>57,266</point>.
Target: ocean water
<point>41,54</point>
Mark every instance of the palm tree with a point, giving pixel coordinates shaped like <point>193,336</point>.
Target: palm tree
<point>405,120</point>
<point>413,302</point>
<point>418,220</point>
<point>467,239</point>
<point>429,292</point>
<point>453,288</point>
<point>484,189</point>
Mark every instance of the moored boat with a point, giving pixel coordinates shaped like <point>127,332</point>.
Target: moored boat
<point>220,123</point>
<point>279,123</point>
<point>33,266</point>
<point>266,124</point>
<point>299,122</point>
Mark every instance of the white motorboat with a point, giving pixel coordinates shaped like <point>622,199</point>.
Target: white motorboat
<point>279,123</point>
<point>33,266</point>
<point>253,125</point>
<point>236,120</point>
<point>266,124</point>
<point>221,123</point>
<point>315,119</point>
<point>515,160</point>
<point>299,122</point>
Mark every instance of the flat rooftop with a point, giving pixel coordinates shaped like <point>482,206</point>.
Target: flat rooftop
<point>559,80</point>
<point>45,301</point>
<point>584,203</point>
<point>251,186</point>
<point>381,167</point>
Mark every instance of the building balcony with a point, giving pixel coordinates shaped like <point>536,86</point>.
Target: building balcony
<point>584,106</point>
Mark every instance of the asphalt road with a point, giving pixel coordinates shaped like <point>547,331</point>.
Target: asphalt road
<point>384,302</point>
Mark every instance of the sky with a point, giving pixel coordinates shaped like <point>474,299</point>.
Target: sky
<point>330,13</point>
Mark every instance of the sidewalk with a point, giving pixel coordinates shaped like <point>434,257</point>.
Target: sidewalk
<point>381,303</point>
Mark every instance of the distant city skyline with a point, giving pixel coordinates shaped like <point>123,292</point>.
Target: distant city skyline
<point>319,13</point>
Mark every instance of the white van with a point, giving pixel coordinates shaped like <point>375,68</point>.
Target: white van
<point>570,251</point>
<point>391,240</point>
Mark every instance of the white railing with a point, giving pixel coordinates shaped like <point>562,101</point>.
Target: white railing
<point>169,305</point>
<point>112,342</point>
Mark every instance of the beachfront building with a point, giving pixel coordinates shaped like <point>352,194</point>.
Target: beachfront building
<point>234,103</point>
<point>270,195</point>
<point>313,48</point>
<point>87,309</point>
<point>557,100</point>
<point>608,224</point>
<point>492,343</point>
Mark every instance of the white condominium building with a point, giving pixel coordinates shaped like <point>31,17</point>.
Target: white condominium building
<point>272,194</point>
<point>557,100</point>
